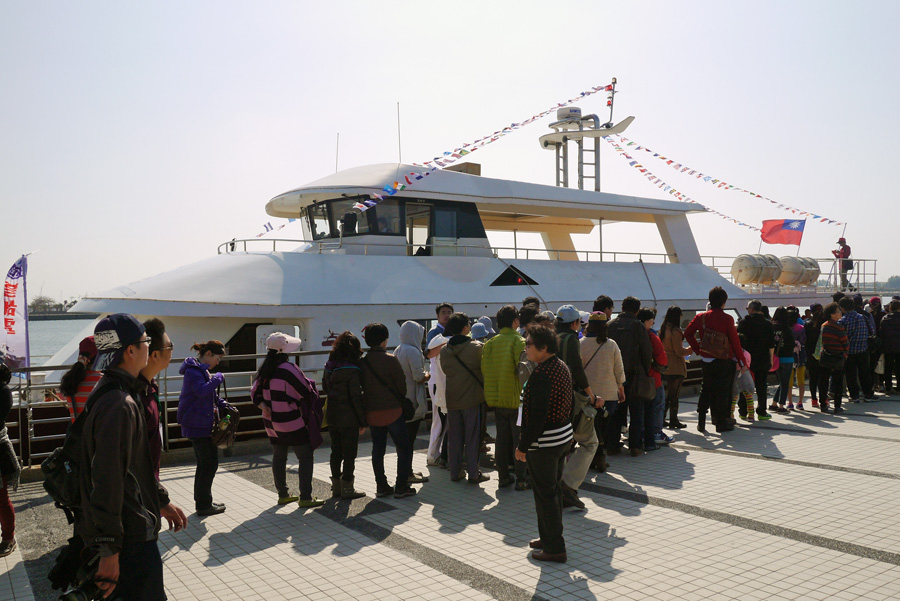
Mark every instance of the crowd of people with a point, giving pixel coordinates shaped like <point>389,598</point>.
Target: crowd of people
<point>564,389</point>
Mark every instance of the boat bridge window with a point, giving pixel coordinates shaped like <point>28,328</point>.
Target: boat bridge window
<point>318,221</point>
<point>344,217</point>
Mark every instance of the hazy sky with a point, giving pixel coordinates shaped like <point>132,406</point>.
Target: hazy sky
<point>136,137</point>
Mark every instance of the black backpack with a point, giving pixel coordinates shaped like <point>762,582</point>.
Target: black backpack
<point>61,467</point>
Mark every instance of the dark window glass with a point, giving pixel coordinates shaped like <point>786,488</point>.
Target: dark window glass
<point>388,218</point>
<point>318,221</point>
<point>343,213</point>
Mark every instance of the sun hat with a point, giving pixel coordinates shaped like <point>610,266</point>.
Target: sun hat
<point>436,342</point>
<point>478,331</point>
<point>488,325</point>
<point>281,342</point>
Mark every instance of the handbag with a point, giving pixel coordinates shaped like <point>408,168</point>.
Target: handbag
<point>406,406</point>
<point>831,361</point>
<point>646,386</point>
<point>583,425</point>
<point>879,365</point>
<point>225,427</point>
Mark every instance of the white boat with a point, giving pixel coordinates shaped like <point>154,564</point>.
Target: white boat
<point>424,245</point>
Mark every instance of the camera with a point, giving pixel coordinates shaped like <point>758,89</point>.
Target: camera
<point>84,588</point>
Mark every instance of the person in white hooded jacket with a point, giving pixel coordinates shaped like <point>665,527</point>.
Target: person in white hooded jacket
<point>409,353</point>
<point>437,387</point>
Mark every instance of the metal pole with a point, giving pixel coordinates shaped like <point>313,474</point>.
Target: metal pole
<point>337,149</point>
<point>399,149</point>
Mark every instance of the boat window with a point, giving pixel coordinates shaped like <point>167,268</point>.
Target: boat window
<point>318,221</point>
<point>388,217</point>
<point>444,223</point>
<point>345,215</point>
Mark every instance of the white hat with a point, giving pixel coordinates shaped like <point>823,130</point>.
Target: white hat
<point>436,342</point>
<point>283,343</point>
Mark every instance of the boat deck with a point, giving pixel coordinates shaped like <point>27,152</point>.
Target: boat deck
<point>800,507</point>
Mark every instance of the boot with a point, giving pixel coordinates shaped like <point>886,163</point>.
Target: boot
<point>347,491</point>
<point>336,488</point>
<point>701,422</point>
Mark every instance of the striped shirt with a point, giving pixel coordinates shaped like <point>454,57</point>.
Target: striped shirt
<point>290,396</point>
<point>834,338</point>
<point>77,402</point>
<point>547,407</point>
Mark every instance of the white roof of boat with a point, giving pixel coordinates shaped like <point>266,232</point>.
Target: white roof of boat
<point>488,193</point>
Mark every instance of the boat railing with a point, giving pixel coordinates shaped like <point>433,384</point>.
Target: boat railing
<point>42,417</point>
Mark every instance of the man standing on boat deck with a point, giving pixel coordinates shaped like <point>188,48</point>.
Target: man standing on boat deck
<point>443,312</point>
<point>845,264</point>
<point>637,353</point>
<point>461,362</point>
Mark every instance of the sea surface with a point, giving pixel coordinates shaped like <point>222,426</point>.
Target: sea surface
<point>47,337</point>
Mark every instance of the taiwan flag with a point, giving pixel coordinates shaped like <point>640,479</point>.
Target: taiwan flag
<point>782,231</point>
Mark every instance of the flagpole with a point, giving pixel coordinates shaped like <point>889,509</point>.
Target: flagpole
<point>27,337</point>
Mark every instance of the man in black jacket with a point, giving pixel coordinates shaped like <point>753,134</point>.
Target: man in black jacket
<point>758,339</point>
<point>120,496</point>
<point>637,355</point>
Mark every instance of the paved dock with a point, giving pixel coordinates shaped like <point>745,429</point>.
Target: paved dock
<point>801,507</point>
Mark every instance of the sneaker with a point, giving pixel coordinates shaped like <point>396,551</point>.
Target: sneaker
<point>416,478</point>
<point>433,462</point>
<point>750,417</point>
<point>780,409</point>
<point>790,406</point>
<point>287,499</point>
<point>314,502</point>
<point>815,404</point>
<point>823,407</point>
<point>523,485</point>
<point>764,417</point>
<point>384,490</point>
<point>838,410</point>
<point>856,400</point>
<point>799,406</point>
<point>7,547</point>
<point>773,407</point>
<point>402,493</point>
<point>214,509</point>
<point>663,439</point>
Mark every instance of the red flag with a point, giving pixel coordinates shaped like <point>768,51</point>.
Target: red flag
<point>782,231</point>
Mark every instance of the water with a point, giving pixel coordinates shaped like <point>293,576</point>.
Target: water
<point>47,337</point>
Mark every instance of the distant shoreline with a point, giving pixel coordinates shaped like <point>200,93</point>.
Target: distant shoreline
<point>61,315</point>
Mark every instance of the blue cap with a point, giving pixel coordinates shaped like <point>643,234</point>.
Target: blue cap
<point>568,314</point>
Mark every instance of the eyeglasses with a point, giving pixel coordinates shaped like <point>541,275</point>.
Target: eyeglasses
<point>168,347</point>
<point>143,340</point>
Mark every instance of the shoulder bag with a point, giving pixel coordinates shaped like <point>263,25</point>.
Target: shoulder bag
<point>714,342</point>
<point>225,427</point>
<point>583,410</point>
<point>406,405</point>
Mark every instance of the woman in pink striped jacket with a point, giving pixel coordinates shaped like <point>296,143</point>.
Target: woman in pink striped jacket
<point>292,416</point>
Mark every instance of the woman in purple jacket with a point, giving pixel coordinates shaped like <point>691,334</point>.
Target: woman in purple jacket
<point>197,405</point>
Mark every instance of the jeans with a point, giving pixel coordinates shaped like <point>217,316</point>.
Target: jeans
<point>7,513</point>
<point>891,369</point>
<point>654,414</point>
<point>825,375</point>
<point>463,429</point>
<point>546,468</point>
<point>784,383</point>
<point>140,573</point>
<point>761,378</point>
<point>856,370</point>
<point>507,441</point>
<point>344,446</point>
<point>715,393</point>
<point>207,463</point>
<point>812,369</point>
<point>673,389</point>
<point>400,435</point>
<point>304,455</point>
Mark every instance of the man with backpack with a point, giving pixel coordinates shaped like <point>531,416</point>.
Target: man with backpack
<point>712,335</point>
<point>120,510</point>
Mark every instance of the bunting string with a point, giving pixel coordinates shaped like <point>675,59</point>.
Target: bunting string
<point>449,157</point>
<point>721,184</point>
<point>660,183</point>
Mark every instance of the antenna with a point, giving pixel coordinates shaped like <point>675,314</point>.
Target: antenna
<point>399,149</point>
<point>337,148</point>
